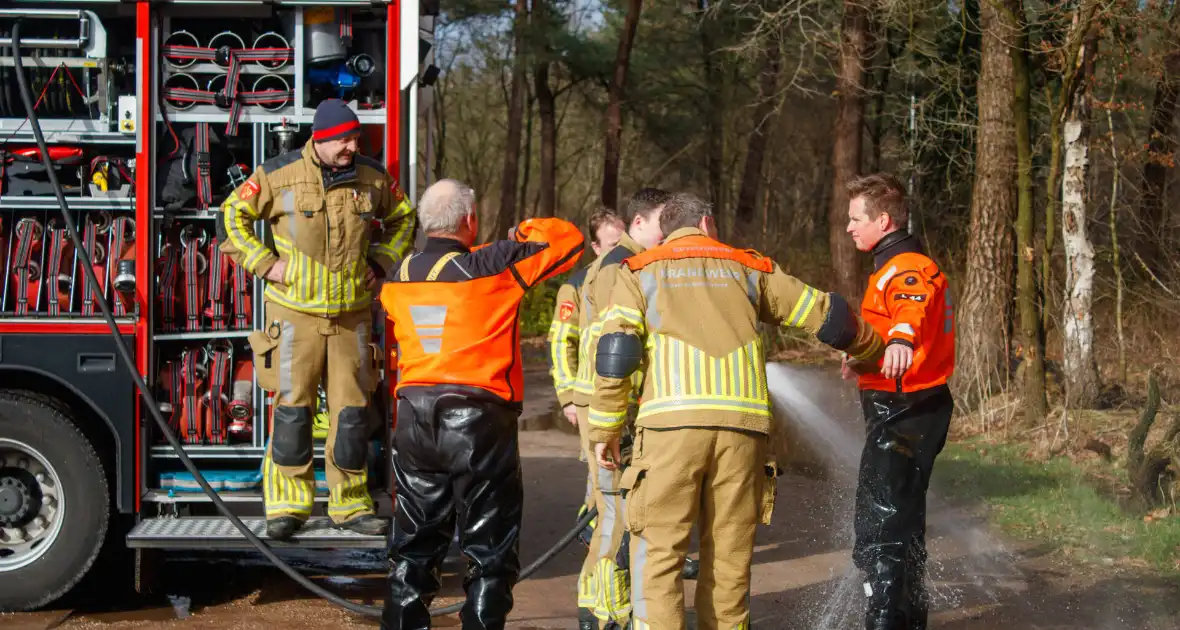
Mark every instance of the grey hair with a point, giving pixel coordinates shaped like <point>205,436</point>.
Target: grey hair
<point>444,205</point>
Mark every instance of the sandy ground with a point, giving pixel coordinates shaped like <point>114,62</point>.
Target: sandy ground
<point>802,577</point>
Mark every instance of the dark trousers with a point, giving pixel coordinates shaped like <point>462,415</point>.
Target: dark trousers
<point>456,458</point>
<point>906,432</point>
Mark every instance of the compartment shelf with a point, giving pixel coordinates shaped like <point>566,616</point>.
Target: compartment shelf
<point>211,334</point>
<point>229,451</point>
<point>63,130</point>
<point>193,215</point>
<point>13,203</point>
<point>248,67</point>
<point>7,318</point>
<point>197,496</point>
<point>212,114</point>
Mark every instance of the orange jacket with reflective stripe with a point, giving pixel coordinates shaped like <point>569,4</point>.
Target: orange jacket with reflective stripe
<point>455,312</point>
<point>908,302</point>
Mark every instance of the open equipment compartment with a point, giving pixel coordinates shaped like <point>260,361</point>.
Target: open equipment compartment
<point>234,91</point>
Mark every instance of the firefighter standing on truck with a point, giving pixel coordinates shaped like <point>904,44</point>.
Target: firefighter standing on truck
<point>339,223</point>
<point>606,228</point>
<point>604,583</point>
<point>907,404</point>
<point>688,311</point>
<point>455,312</point>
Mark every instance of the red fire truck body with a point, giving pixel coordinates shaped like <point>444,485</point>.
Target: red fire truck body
<point>154,111</point>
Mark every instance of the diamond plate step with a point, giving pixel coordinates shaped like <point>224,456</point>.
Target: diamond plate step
<point>216,532</point>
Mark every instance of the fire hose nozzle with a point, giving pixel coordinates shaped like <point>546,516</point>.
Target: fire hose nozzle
<point>125,278</point>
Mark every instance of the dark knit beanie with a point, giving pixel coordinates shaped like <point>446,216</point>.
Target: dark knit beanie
<point>333,120</point>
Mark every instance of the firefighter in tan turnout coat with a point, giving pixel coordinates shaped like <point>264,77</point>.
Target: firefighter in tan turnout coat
<point>339,224</point>
<point>688,311</point>
<point>606,228</point>
<point>604,583</point>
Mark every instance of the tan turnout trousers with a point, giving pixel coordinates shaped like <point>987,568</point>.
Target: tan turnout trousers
<point>293,354</point>
<point>716,479</point>
<point>604,586</point>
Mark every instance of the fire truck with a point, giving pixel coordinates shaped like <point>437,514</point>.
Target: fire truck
<point>151,113</point>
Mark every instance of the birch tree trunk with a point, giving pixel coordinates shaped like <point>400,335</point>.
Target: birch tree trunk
<point>1081,369</point>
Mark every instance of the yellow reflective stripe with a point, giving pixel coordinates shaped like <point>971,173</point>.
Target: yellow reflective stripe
<point>238,219</point>
<point>694,379</point>
<point>283,495</point>
<point>607,419</point>
<point>318,307</point>
<point>560,336</point>
<point>438,266</point>
<point>871,350</point>
<point>405,270</point>
<point>625,313</point>
<point>350,496</point>
<point>585,381</point>
<point>402,240</point>
<point>754,406</point>
<point>606,591</point>
<point>803,307</point>
<point>315,288</point>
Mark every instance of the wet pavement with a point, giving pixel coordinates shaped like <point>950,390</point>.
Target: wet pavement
<point>802,576</point>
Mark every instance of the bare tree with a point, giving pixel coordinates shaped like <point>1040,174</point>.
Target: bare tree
<point>510,172</point>
<point>1160,142</point>
<point>756,150</point>
<point>1081,368</point>
<point>846,138</point>
<point>614,108</point>
<point>981,364</point>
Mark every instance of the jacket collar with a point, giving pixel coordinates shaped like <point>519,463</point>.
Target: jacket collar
<point>332,176</point>
<point>683,232</point>
<point>631,244</point>
<point>893,244</point>
<point>444,245</point>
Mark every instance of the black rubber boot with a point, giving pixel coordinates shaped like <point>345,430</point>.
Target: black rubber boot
<point>587,620</point>
<point>366,525</point>
<point>692,568</point>
<point>282,527</point>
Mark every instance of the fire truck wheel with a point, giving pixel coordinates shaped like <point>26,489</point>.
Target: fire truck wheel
<point>54,502</point>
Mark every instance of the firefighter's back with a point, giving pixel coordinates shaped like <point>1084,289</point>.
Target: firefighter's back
<point>702,310</point>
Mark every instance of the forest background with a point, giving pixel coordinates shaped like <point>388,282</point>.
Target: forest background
<point>1038,141</point>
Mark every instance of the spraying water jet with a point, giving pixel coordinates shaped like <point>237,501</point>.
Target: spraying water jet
<point>818,419</point>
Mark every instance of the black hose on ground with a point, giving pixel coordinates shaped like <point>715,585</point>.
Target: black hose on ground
<point>154,408</point>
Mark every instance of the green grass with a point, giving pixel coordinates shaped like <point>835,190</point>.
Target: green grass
<point>1054,502</point>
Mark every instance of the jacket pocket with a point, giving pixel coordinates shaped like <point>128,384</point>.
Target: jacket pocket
<point>266,360</point>
<point>632,486</point>
<point>769,492</point>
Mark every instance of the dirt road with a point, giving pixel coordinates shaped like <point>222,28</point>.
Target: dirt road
<point>801,577</point>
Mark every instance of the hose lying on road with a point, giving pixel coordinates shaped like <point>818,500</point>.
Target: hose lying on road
<point>154,408</point>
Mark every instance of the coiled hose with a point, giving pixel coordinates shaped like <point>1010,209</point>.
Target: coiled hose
<point>154,408</point>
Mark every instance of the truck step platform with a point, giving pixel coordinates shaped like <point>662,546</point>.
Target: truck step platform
<point>216,532</point>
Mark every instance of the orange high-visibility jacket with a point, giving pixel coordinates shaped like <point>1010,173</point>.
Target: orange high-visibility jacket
<point>908,302</point>
<point>455,311</point>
